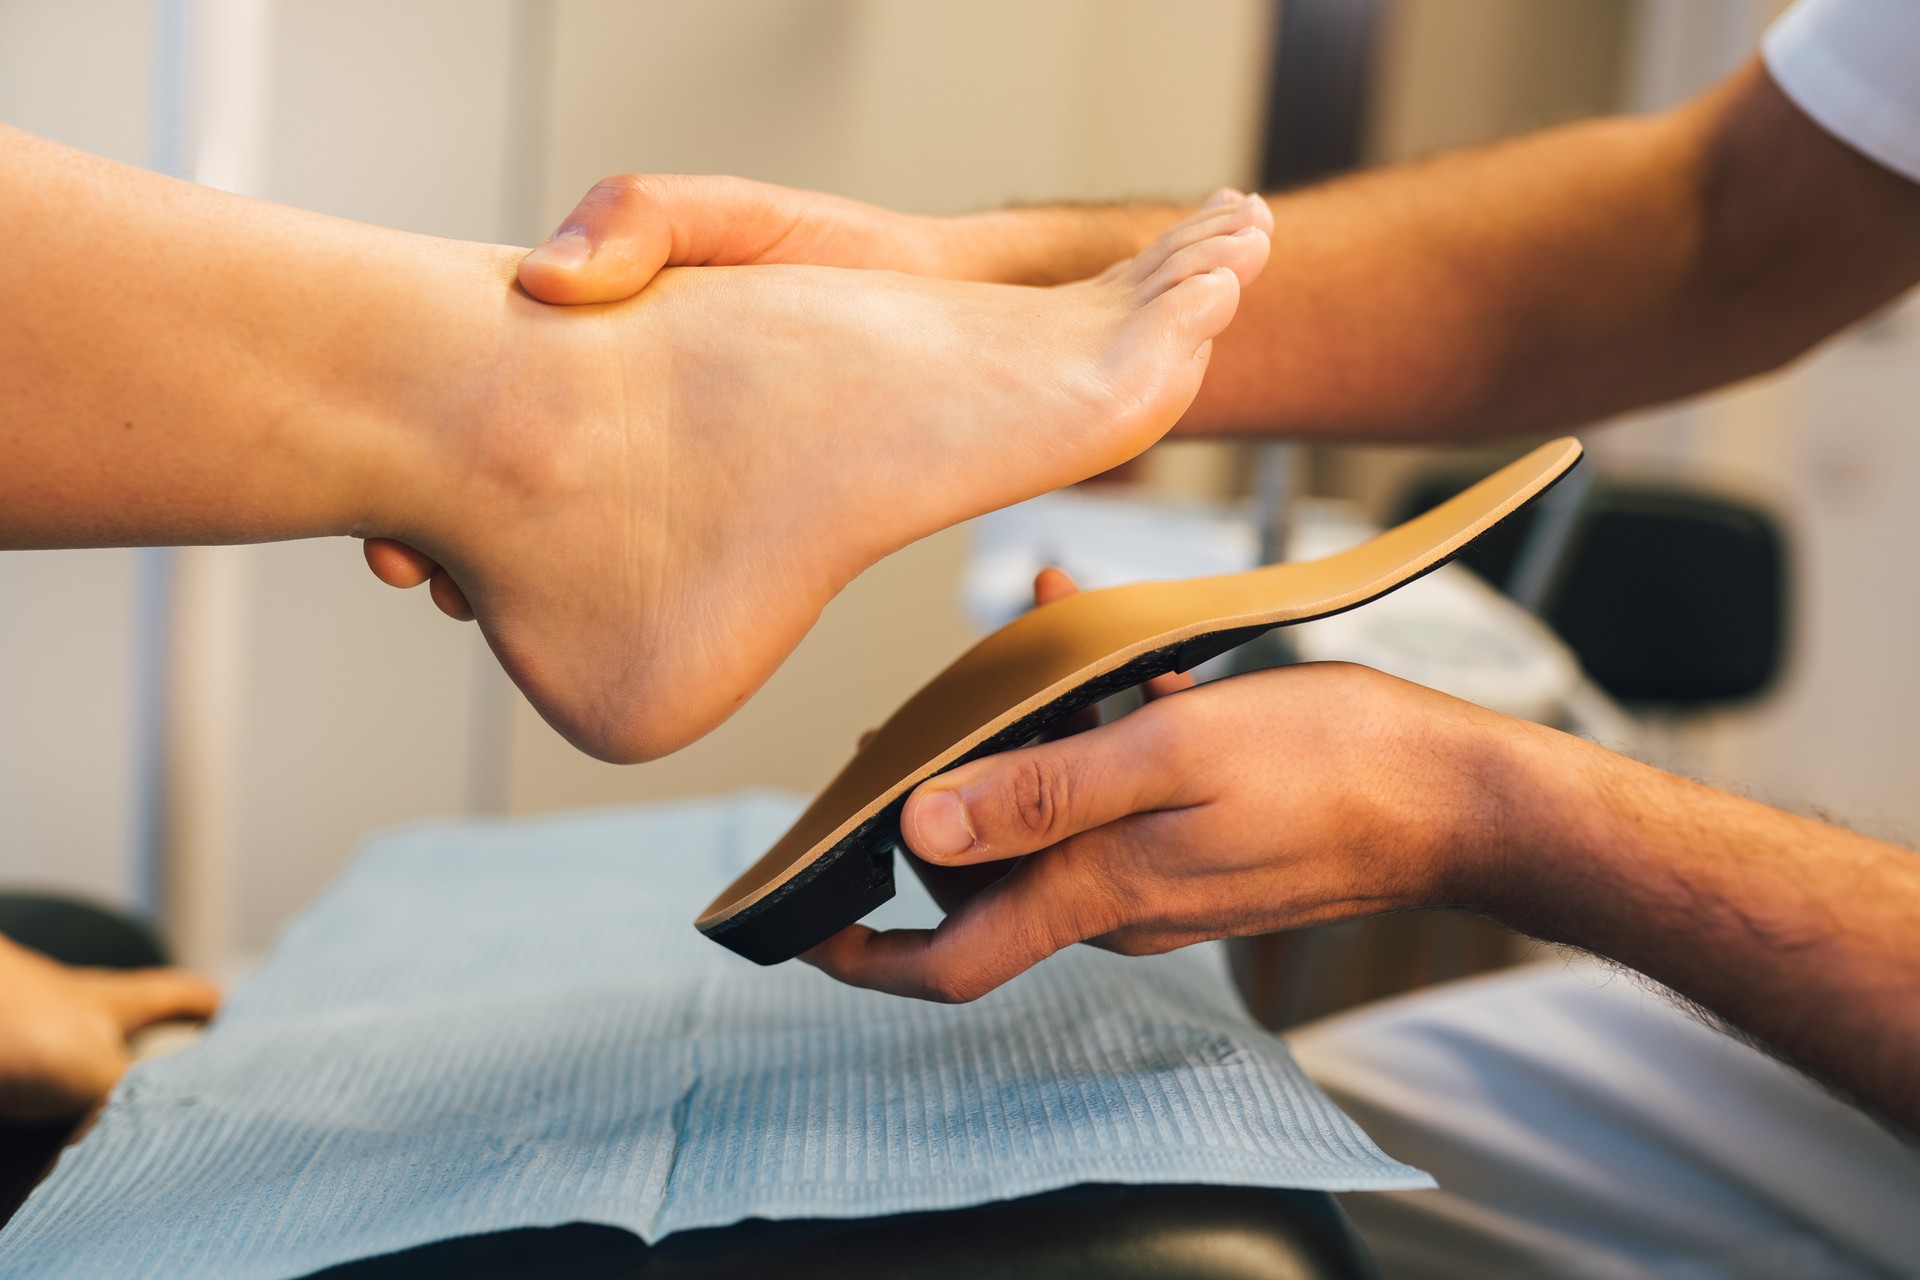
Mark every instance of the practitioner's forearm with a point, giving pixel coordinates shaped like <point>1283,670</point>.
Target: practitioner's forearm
<point>187,366</point>
<point>1537,284</point>
<point>1563,277</point>
<point>1798,933</point>
<point>1052,244</point>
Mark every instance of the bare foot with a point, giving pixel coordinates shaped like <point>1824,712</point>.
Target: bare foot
<point>680,483</point>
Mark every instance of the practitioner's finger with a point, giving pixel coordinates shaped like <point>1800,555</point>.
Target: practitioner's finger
<point>615,240</point>
<point>448,595</point>
<point>1046,904</point>
<point>1019,802</point>
<point>1049,584</point>
<point>137,998</point>
<point>397,564</point>
<point>1055,584</point>
<point>1052,584</point>
<point>1161,686</point>
<point>628,227</point>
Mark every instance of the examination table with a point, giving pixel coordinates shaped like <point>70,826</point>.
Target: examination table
<point>1188,1203</point>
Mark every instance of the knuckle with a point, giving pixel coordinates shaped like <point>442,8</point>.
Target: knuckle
<point>1104,898</point>
<point>1039,796</point>
<point>621,183</point>
<point>948,986</point>
<point>1129,943</point>
<point>624,190</point>
<point>1043,936</point>
<point>1176,733</point>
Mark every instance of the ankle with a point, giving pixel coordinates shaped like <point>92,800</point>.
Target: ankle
<point>456,413</point>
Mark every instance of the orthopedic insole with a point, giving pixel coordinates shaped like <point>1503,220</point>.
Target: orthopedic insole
<point>835,864</point>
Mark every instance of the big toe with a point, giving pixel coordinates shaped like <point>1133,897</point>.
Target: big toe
<point>1184,319</point>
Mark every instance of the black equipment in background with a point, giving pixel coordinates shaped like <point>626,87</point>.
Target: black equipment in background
<point>1672,599</point>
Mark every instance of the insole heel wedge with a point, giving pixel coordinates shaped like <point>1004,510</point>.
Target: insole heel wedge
<point>835,864</point>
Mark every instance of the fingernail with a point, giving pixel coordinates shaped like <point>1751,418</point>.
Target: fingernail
<point>940,825</point>
<point>565,249</point>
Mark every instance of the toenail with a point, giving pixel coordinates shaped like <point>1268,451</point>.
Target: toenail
<point>940,825</point>
<point>1246,233</point>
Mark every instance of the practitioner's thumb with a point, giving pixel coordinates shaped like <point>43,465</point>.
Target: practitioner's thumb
<point>615,241</point>
<point>1023,801</point>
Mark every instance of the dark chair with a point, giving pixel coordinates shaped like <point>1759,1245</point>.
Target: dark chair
<point>1673,600</point>
<point>1083,1233</point>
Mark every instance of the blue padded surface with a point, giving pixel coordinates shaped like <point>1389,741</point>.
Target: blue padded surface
<point>491,1025</point>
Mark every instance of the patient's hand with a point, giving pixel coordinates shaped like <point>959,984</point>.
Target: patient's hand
<point>63,1031</point>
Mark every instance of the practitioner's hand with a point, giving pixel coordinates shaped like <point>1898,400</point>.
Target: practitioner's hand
<point>628,227</point>
<point>63,1031</point>
<point>1291,797</point>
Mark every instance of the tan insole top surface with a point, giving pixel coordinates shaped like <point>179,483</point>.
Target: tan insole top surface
<point>1044,656</point>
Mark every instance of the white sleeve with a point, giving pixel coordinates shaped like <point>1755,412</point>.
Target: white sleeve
<point>1854,67</point>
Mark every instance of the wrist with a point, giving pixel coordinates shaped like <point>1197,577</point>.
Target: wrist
<point>1549,823</point>
<point>1502,806</point>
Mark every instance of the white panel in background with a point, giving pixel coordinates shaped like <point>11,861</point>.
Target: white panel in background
<point>394,114</point>
<point>1679,47</point>
<point>79,72</point>
<point>66,747</point>
<point>936,106</point>
<point>1844,731</point>
<point>357,715</point>
<point>360,700</point>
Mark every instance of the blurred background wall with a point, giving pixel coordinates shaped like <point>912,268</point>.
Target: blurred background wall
<point>247,715</point>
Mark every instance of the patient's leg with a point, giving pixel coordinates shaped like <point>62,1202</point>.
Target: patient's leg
<point>646,504</point>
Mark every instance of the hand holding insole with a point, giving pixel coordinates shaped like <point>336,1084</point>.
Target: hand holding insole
<point>835,864</point>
